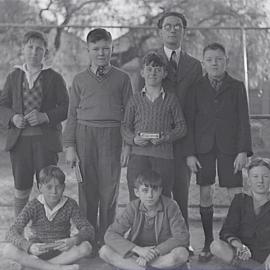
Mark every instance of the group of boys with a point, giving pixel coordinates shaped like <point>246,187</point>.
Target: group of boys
<point>178,122</point>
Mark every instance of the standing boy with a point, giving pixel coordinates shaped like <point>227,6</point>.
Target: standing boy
<point>218,133</point>
<point>153,121</point>
<point>157,236</point>
<point>92,135</point>
<point>50,246</point>
<point>33,103</point>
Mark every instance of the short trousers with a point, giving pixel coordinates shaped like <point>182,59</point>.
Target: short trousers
<point>49,254</point>
<point>216,161</point>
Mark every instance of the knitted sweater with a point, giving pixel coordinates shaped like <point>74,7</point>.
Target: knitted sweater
<point>97,102</point>
<point>162,115</point>
<point>45,231</point>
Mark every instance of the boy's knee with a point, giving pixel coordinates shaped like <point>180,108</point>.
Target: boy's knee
<point>85,249</point>
<point>105,253</point>
<point>180,255</point>
<point>9,251</point>
<point>216,247</point>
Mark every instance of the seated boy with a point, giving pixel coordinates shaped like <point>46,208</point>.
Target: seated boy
<point>50,245</point>
<point>218,134</point>
<point>157,237</point>
<point>153,121</point>
<point>245,235</point>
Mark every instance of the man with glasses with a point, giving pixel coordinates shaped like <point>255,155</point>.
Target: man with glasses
<point>183,72</point>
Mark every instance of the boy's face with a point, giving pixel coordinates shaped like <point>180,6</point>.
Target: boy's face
<point>172,32</point>
<point>153,75</point>
<point>215,63</point>
<point>259,179</point>
<point>52,192</point>
<point>100,53</point>
<point>34,51</point>
<point>149,195</point>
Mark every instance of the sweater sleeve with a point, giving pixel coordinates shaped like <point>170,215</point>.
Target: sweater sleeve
<point>59,113</point>
<point>15,233</point>
<point>85,229</point>
<point>244,134</point>
<point>127,126</point>
<point>6,112</point>
<point>115,234</point>
<point>127,90</point>
<point>179,233</point>
<point>74,101</point>
<point>179,124</point>
<point>231,226</point>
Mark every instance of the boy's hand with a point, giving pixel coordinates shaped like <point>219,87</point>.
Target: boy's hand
<point>35,118</point>
<point>193,164</point>
<point>71,156</point>
<point>138,140</point>
<point>240,162</point>
<point>141,262</point>
<point>162,139</point>
<point>66,244</point>
<point>18,121</point>
<point>243,253</point>
<point>125,155</point>
<point>148,253</point>
<point>40,248</point>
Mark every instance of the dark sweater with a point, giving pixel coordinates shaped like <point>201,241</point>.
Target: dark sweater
<point>45,231</point>
<point>162,115</point>
<point>97,102</point>
<point>253,230</point>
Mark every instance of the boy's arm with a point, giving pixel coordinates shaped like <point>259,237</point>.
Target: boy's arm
<point>127,126</point>
<point>180,128</point>
<point>231,225</point>
<point>15,233</point>
<point>6,112</point>
<point>127,90</point>
<point>179,233</point>
<point>244,134</point>
<point>86,231</point>
<point>115,234</point>
<point>70,128</point>
<point>59,113</point>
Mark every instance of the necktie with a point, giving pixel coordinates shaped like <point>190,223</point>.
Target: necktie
<point>216,84</point>
<point>100,71</point>
<point>173,61</point>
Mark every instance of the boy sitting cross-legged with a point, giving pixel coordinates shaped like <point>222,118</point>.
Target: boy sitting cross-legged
<point>158,237</point>
<point>50,245</point>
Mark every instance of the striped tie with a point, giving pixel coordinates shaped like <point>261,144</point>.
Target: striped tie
<point>173,61</point>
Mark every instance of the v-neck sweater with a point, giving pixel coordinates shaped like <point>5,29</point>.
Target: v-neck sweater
<point>97,102</point>
<point>45,231</point>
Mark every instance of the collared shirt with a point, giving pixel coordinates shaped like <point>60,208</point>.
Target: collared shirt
<point>31,77</point>
<point>168,53</point>
<point>216,82</point>
<point>51,213</point>
<point>161,93</point>
<point>94,70</point>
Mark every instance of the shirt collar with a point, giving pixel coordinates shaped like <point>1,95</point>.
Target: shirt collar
<point>31,78</point>
<point>168,53</point>
<point>51,213</point>
<point>162,92</point>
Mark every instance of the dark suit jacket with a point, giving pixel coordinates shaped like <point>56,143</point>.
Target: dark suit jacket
<point>54,104</point>
<point>218,117</point>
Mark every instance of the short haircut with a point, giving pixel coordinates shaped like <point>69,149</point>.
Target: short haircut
<point>258,162</point>
<point>214,46</point>
<point>148,177</point>
<point>50,172</point>
<point>172,13</point>
<point>97,35</point>
<point>34,34</point>
<point>153,59</point>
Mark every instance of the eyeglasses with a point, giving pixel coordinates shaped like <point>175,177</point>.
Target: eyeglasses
<point>176,27</point>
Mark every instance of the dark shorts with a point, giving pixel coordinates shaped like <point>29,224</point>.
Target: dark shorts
<point>49,254</point>
<point>215,161</point>
<point>28,157</point>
